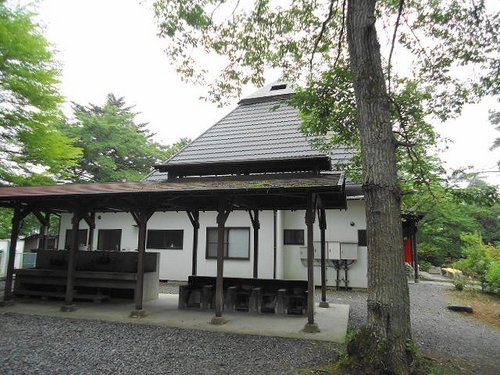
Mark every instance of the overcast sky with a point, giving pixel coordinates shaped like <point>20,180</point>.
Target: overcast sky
<point>111,46</point>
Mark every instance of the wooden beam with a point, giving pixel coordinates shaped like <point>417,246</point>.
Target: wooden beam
<point>310,326</point>
<point>254,218</point>
<point>223,213</point>
<point>42,219</point>
<point>194,218</point>
<point>141,218</point>
<point>19,214</point>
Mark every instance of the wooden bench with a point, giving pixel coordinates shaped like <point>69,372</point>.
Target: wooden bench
<point>242,294</point>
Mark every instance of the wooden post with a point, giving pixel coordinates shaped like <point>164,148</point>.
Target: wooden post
<point>72,255</point>
<point>415,253</point>
<point>45,245</point>
<point>222,215</point>
<point>141,218</point>
<point>91,223</point>
<point>44,228</point>
<point>19,215</point>
<point>194,218</point>
<point>254,218</point>
<point>322,227</point>
<point>310,326</point>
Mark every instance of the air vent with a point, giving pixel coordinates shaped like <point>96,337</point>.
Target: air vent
<point>278,87</point>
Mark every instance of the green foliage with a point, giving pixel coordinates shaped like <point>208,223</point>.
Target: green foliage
<point>493,276</point>
<point>424,265</point>
<point>116,147</point>
<point>304,39</point>
<point>29,225</point>
<point>451,210</point>
<point>32,150</point>
<point>478,256</point>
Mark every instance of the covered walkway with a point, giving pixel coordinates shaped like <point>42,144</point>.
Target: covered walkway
<point>313,192</point>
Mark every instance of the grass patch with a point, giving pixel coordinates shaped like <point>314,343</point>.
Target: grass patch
<point>486,306</point>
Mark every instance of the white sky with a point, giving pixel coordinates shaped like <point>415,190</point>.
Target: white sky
<point>111,46</point>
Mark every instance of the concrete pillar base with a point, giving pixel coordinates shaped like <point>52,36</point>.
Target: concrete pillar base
<point>68,308</point>
<point>218,320</point>
<point>311,328</point>
<point>324,304</point>
<point>6,303</point>
<point>137,314</point>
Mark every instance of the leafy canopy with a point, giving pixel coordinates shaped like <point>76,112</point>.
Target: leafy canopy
<point>452,210</point>
<point>115,147</point>
<point>32,150</point>
<point>437,56</point>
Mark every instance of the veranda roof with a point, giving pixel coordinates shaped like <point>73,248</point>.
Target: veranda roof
<point>266,191</point>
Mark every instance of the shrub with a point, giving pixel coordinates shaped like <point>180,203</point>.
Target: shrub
<point>477,259</point>
<point>424,266</point>
<point>460,284</point>
<point>493,276</point>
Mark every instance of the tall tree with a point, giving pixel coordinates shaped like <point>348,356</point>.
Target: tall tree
<point>306,39</point>
<point>32,150</point>
<point>115,147</point>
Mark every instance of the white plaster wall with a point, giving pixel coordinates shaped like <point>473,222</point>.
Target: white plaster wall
<point>18,259</point>
<point>176,264</point>
<point>339,229</point>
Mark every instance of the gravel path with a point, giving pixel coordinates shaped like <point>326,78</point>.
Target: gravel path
<point>39,345</point>
<point>437,330</point>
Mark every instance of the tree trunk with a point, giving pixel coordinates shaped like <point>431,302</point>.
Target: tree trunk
<point>387,334</point>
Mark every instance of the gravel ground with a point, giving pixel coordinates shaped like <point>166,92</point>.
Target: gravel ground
<point>39,345</point>
<point>47,345</point>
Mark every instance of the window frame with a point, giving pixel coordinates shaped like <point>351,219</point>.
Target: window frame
<point>100,231</point>
<point>181,247</point>
<point>298,243</point>
<point>226,243</point>
<point>67,239</point>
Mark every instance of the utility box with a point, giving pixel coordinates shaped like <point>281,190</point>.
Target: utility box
<point>333,250</point>
<point>317,250</point>
<point>348,251</point>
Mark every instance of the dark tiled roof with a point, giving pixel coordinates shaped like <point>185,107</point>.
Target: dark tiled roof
<point>252,132</point>
<point>264,128</point>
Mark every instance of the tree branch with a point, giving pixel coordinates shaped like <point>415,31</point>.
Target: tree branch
<point>400,11</point>
<point>341,34</point>
<point>322,31</point>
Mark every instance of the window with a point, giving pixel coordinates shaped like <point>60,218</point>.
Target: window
<point>109,239</point>
<point>362,241</point>
<point>165,239</point>
<point>293,236</point>
<point>82,238</point>
<point>236,243</point>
